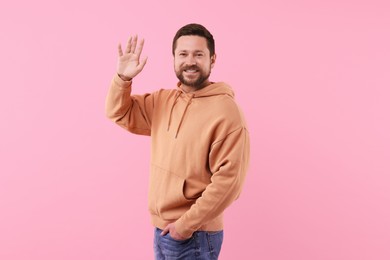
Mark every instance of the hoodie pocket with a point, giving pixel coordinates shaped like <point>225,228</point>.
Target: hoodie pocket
<point>166,197</point>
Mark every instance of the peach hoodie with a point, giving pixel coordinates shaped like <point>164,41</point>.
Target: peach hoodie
<point>200,151</point>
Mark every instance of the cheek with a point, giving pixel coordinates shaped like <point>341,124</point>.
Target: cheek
<point>177,68</point>
<point>176,64</point>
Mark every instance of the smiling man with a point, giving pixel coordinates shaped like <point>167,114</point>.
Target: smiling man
<point>200,144</point>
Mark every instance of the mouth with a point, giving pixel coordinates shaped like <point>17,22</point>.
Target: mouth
<point>191,71</point>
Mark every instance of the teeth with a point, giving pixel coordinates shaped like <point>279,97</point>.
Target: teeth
<point>190,70</point>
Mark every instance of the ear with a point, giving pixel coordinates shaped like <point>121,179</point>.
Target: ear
<point>213,58</point>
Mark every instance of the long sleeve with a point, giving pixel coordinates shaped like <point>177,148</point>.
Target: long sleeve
<point>228,162</point>
<point>132,112</point>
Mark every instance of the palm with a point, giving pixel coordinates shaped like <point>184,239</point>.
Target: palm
<point>129,64</point>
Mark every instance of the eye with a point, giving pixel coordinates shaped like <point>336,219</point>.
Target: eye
<point>182,54</point>
<point>199,54</point>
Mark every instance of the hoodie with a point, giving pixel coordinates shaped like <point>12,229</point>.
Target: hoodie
<point>199,151</point>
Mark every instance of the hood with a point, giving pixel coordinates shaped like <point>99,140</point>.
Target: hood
<point>214,89</point>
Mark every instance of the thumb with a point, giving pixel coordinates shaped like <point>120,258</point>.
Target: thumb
<point>165,231</point>
<point>141,65</point>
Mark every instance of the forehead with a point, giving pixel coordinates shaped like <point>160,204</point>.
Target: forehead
<point>191,43</point>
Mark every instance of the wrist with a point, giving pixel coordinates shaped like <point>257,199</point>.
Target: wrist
<point>124,77</point>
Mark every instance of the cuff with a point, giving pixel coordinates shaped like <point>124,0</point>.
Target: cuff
<point>120,82</point>
<point>182,229</point>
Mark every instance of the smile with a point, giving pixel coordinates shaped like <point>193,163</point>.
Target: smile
<point>191,71</point>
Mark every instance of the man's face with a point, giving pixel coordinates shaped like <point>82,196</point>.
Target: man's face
<point>192,61</point>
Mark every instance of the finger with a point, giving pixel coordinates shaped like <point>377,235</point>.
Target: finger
<point>139,48</point>
<point>128,47</point>
<point>134,43</point>
<point>165,231</point>
<point>120,52</point>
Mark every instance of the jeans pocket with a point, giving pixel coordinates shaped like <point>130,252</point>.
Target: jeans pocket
<point>176,249</point>
<point>176,240</point>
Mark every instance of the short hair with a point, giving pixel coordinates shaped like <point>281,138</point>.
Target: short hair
<point>197,30</point>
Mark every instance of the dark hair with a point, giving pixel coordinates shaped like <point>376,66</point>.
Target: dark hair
<point>198,30</point>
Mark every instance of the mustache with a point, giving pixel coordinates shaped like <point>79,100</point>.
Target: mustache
<point>192,67</point>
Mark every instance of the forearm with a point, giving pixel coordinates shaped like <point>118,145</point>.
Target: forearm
<point>118,100</point>
<point>229,161</point>
<point>132,112</point>
<point>220,194</point>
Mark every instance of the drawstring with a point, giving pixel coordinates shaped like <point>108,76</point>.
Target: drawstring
<point>177,95</point>
<point>185,110</point>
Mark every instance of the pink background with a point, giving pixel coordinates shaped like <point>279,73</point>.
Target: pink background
<point>311,76</point>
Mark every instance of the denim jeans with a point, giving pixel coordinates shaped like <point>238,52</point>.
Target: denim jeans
<point>202,245</point>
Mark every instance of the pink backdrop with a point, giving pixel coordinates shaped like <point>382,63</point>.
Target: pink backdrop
<point>311,76</point>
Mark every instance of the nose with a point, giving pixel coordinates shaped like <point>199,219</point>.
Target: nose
<point>190,60</point>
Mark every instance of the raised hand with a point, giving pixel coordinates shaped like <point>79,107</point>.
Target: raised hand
<point>129,64</point>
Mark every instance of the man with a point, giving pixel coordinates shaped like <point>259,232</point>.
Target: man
<point>200,144</point>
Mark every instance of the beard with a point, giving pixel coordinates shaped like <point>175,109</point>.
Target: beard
<point>197,82</point>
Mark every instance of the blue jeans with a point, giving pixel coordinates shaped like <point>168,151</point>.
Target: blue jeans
<point>202,245</point>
